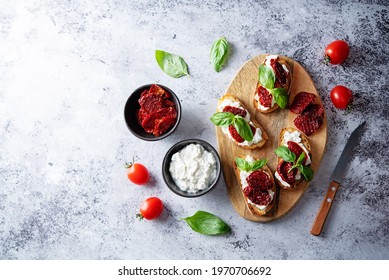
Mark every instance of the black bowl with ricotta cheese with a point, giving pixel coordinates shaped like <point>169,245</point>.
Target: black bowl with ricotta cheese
<point>200,166</point>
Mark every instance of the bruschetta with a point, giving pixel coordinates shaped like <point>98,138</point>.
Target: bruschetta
<point>294,159</point>
<point>237,124</point>
<point>274,80</point>
<point>257,184</point>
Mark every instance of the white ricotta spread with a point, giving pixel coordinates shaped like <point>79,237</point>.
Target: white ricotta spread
<point>295,137</point>
<point>257,137</point>
<point>193,168</point>
<point>285,68</point>
<point>243,183</point>
<point>284,183</point>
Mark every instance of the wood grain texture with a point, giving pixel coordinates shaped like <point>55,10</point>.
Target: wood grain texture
<point>243,86</point>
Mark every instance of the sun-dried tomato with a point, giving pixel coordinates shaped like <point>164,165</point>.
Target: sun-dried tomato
<point>283,169</point>
<point>279,72</point>
<point>265,98</point>
<point>259,180</point>
<point>235,111</point>
<point>301,101</point>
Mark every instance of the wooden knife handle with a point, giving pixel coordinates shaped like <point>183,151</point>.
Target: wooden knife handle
<point>324,208</point>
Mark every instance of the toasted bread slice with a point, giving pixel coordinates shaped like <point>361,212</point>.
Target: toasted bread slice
<point>254,123</point>
<point>257,209</point>
<point>303,143</point>
<point>287,85</point>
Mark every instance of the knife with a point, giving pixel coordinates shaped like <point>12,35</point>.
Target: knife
<point>336,179</point>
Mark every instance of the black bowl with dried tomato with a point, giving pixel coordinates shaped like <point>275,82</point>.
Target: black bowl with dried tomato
<point>152,112</point>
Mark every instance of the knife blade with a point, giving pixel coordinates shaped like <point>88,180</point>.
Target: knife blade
<point>336,179</point>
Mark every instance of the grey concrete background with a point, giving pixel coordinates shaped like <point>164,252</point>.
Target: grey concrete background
<point>66,70</point>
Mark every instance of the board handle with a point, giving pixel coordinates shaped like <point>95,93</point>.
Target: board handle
<point>324,209</point>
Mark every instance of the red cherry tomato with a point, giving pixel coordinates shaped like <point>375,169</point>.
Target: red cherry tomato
<point>341,97</point>
<point>137,173</point>
<point>337,52</point>
<point>151,208</point>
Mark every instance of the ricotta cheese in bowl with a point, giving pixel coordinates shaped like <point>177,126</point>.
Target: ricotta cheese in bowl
<point>191,168</point>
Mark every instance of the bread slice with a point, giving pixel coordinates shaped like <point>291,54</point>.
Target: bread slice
<point>252,208</point>
<point>232,98</point>
<point>284,63</point>
<point>303,142</point>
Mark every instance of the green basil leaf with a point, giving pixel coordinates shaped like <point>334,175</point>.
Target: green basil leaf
<point>243,164</point>
<point>207,223</point>
<point>286,154</point>
<point>258,164</point>
<point>219,53</point>
<point>280,96</point>
<point>300,159</point>
<point>243,128</point>
<point>171,64</point>
<point>266,76</point>
<point>307,172</point>
<point>222,118</point>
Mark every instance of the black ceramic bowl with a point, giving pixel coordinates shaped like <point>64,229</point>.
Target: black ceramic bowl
<point>132,106</point>
<point>166,164</point>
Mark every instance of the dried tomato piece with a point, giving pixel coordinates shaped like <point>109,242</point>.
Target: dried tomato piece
<point>257,196</point>
<point>149,121</point>
<point>283,168</point>
<point>167,103</point>
<point>234,133</point>
<point>307,123</point>
<point>259,180</point>
<point>163,125</point>
<point>145,92</point>
<point>235,111</point>
<point>265,98</point>
<point>315,110</point>
<point>301,101</point>
<point>150,103</point>
<point>158,91</point>
<point>296,149</point>
<point>279,72</point>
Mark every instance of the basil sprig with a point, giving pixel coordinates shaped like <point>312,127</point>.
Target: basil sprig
<point>267,79</point>
<point>288,156</point>
<point>219,53</point>
<point>207,223</point>
<point>173,65</point>
<point>247,166</point>
<point>240,124</point>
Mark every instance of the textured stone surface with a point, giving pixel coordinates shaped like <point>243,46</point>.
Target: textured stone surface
<point>66,70</point>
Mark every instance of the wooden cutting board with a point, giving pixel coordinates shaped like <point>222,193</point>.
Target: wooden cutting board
<point>243,86</point>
